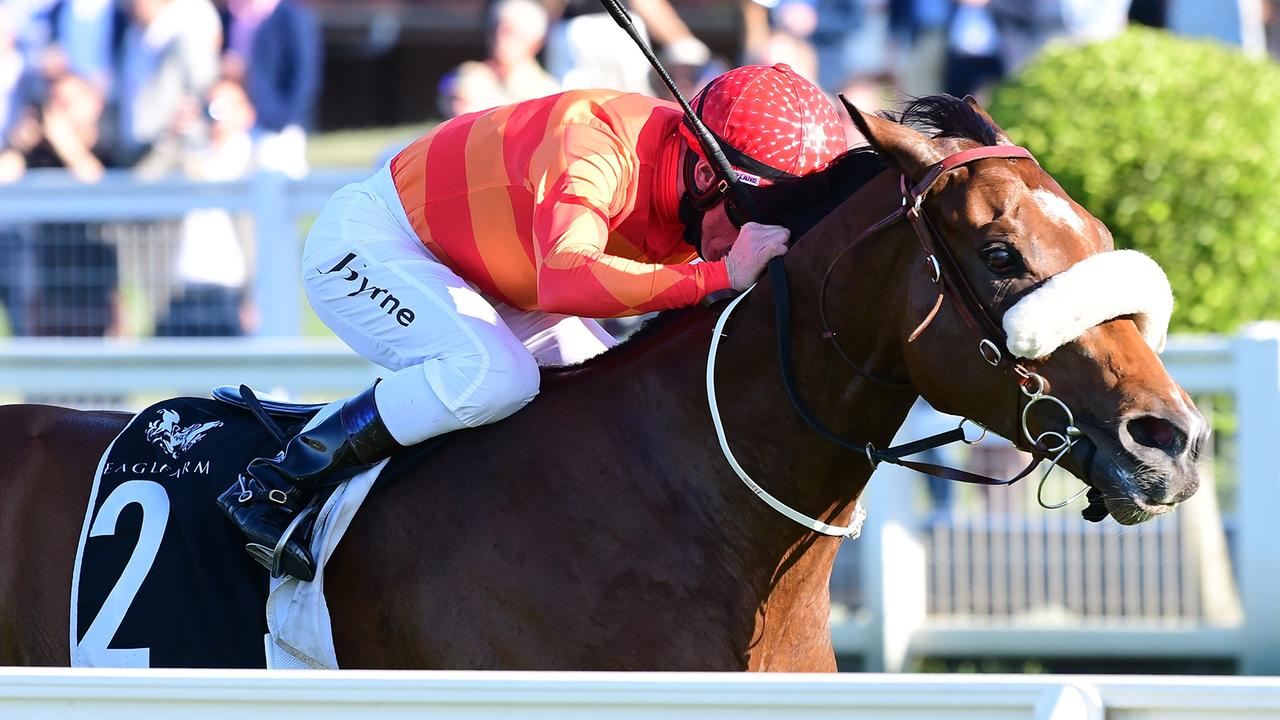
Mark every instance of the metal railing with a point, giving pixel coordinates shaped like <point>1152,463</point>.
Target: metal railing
<point>997,576</point>
<point>131,238</point>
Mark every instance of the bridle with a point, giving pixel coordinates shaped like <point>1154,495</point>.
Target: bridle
<point>945,272</point>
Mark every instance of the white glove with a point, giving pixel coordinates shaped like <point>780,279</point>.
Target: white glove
<point>756,245</point>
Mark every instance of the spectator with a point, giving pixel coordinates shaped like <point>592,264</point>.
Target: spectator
<point>33,23</point>
<point>16,85</point>
<point>586,48</point>
<point>1093,20</point>
<point>511,73</point>
<point>868,93</point>
<point>1152,13</point>
<point>73,288</point>
<point>691,67</point>
<point>170,60</point>
<point>792,27</point>
<point>274,48</point>
<point>973,48</point>
<point>64,133</point>
<point>755,30</point>
<point>210,271</point>
<point>921,28</point>
<point>85,32</point>
<point>852,38</point>
<point>1271,21</point>
<point>15,277</point>
<point>1024,27</point>
<point>467,88</point>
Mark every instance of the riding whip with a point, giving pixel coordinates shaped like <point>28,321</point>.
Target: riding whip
<point>720,164</point>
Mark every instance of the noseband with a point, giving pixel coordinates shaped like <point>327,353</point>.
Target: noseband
<point>945,272</point>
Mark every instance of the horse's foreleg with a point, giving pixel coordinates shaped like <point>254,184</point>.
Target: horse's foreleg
<point>47,459</point>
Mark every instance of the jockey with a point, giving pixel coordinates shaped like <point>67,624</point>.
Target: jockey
<point>475,254</point>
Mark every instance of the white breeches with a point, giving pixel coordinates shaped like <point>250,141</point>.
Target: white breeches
<point>458,359</point>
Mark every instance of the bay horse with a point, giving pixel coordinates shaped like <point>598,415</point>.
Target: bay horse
<point>601,528</point>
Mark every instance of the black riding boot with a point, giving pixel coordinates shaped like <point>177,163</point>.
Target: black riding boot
<point>271,493</point>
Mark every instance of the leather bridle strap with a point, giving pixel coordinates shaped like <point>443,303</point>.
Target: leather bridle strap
<point>972,311</point>
<point>953,161</point>
<point>892,455</point>
<point>966,299</point>
<point>776,270</point>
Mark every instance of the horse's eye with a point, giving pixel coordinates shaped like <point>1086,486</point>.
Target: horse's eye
<point>1001,259</point>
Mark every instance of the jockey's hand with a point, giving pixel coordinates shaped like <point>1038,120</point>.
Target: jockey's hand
<point>756,245</point>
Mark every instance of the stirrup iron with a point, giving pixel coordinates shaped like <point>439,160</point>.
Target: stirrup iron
<point>271,558</point>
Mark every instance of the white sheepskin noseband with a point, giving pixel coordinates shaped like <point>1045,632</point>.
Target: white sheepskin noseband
<point>1093,291</point>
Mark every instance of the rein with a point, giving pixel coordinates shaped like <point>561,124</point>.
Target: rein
<point>945,272</point>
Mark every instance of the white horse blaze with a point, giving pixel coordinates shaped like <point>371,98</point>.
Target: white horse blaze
<point>1093,291</point>
<point>1056,208</point>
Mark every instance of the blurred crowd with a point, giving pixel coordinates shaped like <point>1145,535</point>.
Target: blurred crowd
<point>160,86</point>
<point>195,88</point>
<point>873,51</point>
<point>220,89</point>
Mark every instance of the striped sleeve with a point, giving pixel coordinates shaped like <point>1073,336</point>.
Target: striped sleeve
<point>582,175</point>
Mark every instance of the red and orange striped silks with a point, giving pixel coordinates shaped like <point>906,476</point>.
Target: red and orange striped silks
<point>565,204</point>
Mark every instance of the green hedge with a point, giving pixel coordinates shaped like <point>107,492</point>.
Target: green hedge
<point>1175,145</point>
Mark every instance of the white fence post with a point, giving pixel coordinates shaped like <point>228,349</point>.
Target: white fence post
<point>893,568</point>
<point>1258,408</point>
<point>277,291</point>
<point>1070,701</point>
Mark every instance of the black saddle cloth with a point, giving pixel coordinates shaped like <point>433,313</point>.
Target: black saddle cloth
<point>162,579</point>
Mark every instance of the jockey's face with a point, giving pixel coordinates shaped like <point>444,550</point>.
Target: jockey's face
<point>718,232</point>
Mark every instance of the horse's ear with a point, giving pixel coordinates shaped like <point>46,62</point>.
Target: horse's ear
<point>1002,138</point>
<point>908,150</point>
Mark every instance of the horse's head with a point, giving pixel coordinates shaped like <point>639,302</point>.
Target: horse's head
<point>1042,280</point>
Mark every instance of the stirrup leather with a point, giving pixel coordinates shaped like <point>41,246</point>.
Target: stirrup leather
<point>254,491</point>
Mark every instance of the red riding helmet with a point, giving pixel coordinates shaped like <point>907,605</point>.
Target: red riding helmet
<point>771,122</point>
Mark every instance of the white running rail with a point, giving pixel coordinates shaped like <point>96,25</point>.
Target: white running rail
<point>322,695</point>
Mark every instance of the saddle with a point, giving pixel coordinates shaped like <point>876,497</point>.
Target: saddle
<point>294,415</point>
<point>242,397</point>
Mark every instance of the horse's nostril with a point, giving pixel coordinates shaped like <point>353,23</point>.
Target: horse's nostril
<point>1158,433</point>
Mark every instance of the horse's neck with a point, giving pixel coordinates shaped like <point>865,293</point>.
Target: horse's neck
<point>866,303</point>
<point>788,563</point>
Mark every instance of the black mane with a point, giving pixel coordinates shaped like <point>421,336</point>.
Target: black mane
<point>946,116</point>
<point>799,203</point>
